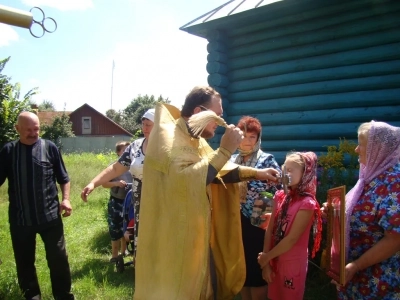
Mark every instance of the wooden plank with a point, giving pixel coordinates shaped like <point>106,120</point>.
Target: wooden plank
<point>216,46</point>
<point>317,102</point>
<point>298,12</point>
<point>339,115</point>
<point>218,80</point>
<point>335,17</point>
<point>344,72</point>
<point>314,131</point>
<point>223,92</point>
<point>272,11</point>
<point>217,36</point>
<point>331,37</point>
<point>299,145</point>
<point>293,52</point>
<point>323,87</point>
<point>345,58</point>
<point>216,67</point>
<point>217,56</point>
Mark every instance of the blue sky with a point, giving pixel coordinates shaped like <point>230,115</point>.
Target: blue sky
<point>73,65</point>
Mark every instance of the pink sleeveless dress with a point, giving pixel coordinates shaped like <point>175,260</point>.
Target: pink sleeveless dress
<point>289,282</point>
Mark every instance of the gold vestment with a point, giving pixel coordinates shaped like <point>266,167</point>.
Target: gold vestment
<point>181,218</point>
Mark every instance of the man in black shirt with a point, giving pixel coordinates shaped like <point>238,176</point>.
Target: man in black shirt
<point>33,167</point>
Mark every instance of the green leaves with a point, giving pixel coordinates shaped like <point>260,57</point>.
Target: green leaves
<point>267,194</point>
<point>131,116</point>
<point>10,105</point>
<point>60,127</point>
<point>46,105</point>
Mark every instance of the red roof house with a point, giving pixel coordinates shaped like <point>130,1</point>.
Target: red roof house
<point>86,121</point>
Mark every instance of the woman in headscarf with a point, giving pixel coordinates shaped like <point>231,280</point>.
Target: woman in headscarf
<point>373,217</point>
<point>131,159</point>
<point>251,155</point>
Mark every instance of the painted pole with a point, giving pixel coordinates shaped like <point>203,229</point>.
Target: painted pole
<point>15,17</point>
<point>112,80</point>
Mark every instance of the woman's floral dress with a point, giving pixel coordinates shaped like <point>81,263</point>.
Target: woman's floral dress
<point>377,211</point>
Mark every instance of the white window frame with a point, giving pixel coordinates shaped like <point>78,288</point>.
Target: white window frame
<point>86,125</point>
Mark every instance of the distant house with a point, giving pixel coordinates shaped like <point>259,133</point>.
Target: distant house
<point>311,71</point>
<point>94,132</point>
<point>86,121</point>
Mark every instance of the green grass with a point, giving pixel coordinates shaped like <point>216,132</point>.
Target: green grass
<point>89,247</point>
<point>88,241</point>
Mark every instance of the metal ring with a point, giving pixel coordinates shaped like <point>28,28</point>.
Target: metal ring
<point>34,35</point>
<point>55,24</point>
<point>41,23</point>
<point>44,16</point>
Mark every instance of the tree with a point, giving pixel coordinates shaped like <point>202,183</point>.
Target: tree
<point>46,105</point>
<point>60,127</point>
<point>10,105</point>
<point>114,115</point>
<point>132,114</point>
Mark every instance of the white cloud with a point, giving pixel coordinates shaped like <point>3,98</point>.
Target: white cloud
<point>8,35</point>
<point>169,66</point>
<point>61,4</point>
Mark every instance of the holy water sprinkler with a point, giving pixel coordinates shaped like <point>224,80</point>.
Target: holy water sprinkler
<point>20,18</point>
<point>285,180</point>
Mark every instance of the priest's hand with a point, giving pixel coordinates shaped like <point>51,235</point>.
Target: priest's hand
<point>267,174</point>
<point>232,138</point>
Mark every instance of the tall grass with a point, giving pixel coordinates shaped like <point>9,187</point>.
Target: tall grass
<point>88,244</point>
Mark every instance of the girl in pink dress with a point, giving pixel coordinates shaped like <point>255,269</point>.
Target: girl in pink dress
<point>284,260</point>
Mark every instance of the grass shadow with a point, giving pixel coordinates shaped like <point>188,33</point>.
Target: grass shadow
<point>100,271</point>
<point>318,285</point>
<point>100,243</point>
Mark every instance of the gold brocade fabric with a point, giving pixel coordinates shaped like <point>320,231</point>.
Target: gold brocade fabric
<point>243,191</point>
<point>176,228</point>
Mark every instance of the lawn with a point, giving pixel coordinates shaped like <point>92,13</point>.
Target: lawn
<point>89,248</point>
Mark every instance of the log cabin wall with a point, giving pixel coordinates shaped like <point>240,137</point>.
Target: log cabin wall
<point>310,71</point>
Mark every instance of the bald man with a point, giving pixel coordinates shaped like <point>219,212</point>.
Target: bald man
<point>33,167</point>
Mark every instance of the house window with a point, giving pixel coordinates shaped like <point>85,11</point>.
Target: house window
<point>86,125</point>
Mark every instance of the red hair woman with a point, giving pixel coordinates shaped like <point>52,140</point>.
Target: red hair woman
<point>251,155</point>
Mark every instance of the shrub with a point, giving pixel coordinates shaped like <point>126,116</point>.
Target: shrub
<point>339,166</point>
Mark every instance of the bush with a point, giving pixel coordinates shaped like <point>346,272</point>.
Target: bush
<point>339,166</point>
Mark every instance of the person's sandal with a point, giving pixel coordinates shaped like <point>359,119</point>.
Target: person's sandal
<point>113,260</point>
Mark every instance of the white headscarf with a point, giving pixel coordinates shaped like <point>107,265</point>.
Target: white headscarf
<point>383,152</point>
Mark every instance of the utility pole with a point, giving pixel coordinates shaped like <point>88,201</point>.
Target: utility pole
<point>112,80</point>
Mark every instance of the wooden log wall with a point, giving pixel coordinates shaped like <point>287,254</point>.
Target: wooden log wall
<point>310,76</point>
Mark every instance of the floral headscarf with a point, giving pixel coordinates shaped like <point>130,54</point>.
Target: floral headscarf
<point>255,153</point>
<point>383,152</point>
<point>306,187</point>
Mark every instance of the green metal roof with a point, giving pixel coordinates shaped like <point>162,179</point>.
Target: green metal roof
<point>230,8</point>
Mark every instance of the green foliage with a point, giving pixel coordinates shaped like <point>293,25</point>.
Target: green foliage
<point>46,105</point>
<point>132,114</point>
<point>114,115</point>
<point>339,166</point>
<point>11,105</point>
<point>60,127</point>
<point>87,238</point>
